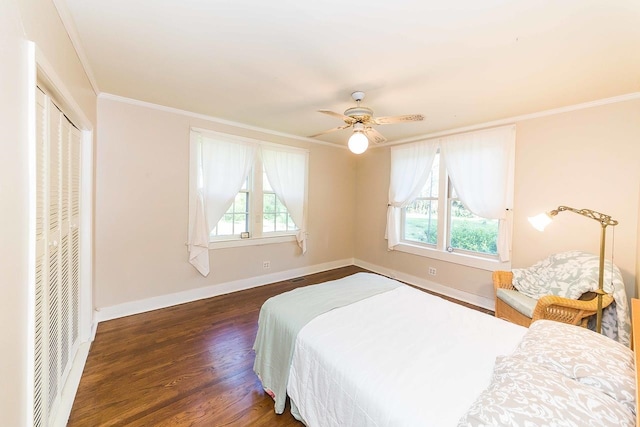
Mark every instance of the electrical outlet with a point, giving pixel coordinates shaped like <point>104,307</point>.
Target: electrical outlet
<point>432,271</point>
<point>266,264</point>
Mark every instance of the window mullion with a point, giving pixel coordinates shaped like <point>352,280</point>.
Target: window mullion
<point>443,210</point>
<point>256,200</point>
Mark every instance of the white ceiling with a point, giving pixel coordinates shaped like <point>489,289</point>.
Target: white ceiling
<point>273,64</point>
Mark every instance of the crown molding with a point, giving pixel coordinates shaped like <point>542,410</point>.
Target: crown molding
<point>479,126</point>
<point>213,119</point>
<point>69,24</point>
<point>513,120</point>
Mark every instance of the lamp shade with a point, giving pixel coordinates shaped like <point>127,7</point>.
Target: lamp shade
<point>540,221</point>
<point>358,143</point>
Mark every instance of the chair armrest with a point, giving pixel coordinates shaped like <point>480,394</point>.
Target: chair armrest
<point>502,279</point>
<point>575,312</point>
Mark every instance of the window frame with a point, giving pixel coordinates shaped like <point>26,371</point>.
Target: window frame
<point>255,195</point>
<point>439,251</point>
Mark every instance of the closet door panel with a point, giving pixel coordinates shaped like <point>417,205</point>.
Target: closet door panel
<point>54,326</point>
<point>64,294</point>
<point>75,150</point>
<point>57,256</point>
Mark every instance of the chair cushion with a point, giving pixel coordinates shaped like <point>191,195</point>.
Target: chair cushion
<point>522,303</point>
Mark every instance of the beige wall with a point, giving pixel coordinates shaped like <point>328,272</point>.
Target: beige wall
<point>21,21</point>
<point>43,26</point>
<point>584,159</point>
<point>142,173</point>
<point>13,223</point>
<point>588,158</point>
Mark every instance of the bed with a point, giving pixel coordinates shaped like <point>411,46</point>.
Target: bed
<point>366,350</point>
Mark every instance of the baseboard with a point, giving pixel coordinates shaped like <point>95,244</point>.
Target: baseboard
<point>467,297</point>
<point>163,301</point>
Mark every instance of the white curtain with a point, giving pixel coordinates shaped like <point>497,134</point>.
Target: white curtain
<point>480,166</point>
<point>410,169</point>
<point>223,168</point>
<point>199,239</point>
<point>286,171</point>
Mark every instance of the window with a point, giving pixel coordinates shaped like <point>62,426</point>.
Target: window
<point>236,219</point>
<point>253,192</point>
<point>469,232</point>
<point>421,216</point>
<point>275,216</point>
<point>458,210</point>
<point>460,231</point>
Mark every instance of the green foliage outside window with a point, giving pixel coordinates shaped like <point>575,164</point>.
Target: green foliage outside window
<point>475,235</point>
<point>468,231</point>
<point>275,216</point>
<point>469,234</point>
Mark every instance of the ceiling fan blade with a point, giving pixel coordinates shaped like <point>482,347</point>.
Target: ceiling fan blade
<point>398,119</point>
<point>330,130</point>
<point>346,119</point>
<point>374,136</point>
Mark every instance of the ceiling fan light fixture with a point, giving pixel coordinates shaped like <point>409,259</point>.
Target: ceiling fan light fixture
<point>358,142</point>
<point>362,120</point>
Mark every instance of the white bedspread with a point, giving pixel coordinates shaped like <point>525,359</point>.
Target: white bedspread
<point>402,358</point>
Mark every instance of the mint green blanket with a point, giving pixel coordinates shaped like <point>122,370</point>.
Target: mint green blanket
<point>283,316</point>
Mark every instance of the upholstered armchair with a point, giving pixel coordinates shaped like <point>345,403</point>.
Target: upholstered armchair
<point>518,308</point>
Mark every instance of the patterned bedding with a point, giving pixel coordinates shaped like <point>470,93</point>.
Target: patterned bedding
<point>560,375</point>
<point>402,358</point>
<point>570,274</point>
<point>406,358</point>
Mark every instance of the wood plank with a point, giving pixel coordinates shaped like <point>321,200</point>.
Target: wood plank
<point>190,364</point>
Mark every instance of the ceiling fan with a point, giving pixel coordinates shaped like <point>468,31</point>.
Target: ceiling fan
<point>361,119</point>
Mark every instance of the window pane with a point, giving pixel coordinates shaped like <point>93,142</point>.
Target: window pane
<point>240,203</point>
<point>240,223</point>
<point>224,227</point>
<point>269,203</point>
<point>470,232</point>
<point>235,220</point>
<point>421,221</point>
<point>268,223</point>
<point>275,216</point>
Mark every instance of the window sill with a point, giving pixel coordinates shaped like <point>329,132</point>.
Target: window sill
<point>456,258</point>
<point>257,241</point>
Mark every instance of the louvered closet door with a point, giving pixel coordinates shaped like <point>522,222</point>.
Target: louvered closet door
<point>58,152</point>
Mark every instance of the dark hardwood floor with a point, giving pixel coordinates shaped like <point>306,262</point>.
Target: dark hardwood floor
<point>187,365</point>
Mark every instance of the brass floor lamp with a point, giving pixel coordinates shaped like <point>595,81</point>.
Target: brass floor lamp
<point>540,221</point>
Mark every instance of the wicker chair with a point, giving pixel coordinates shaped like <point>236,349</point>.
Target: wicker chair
<point>551,307</point>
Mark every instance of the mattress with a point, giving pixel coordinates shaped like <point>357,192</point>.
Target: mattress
<point>399,358</point>
<point>281,318</point>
